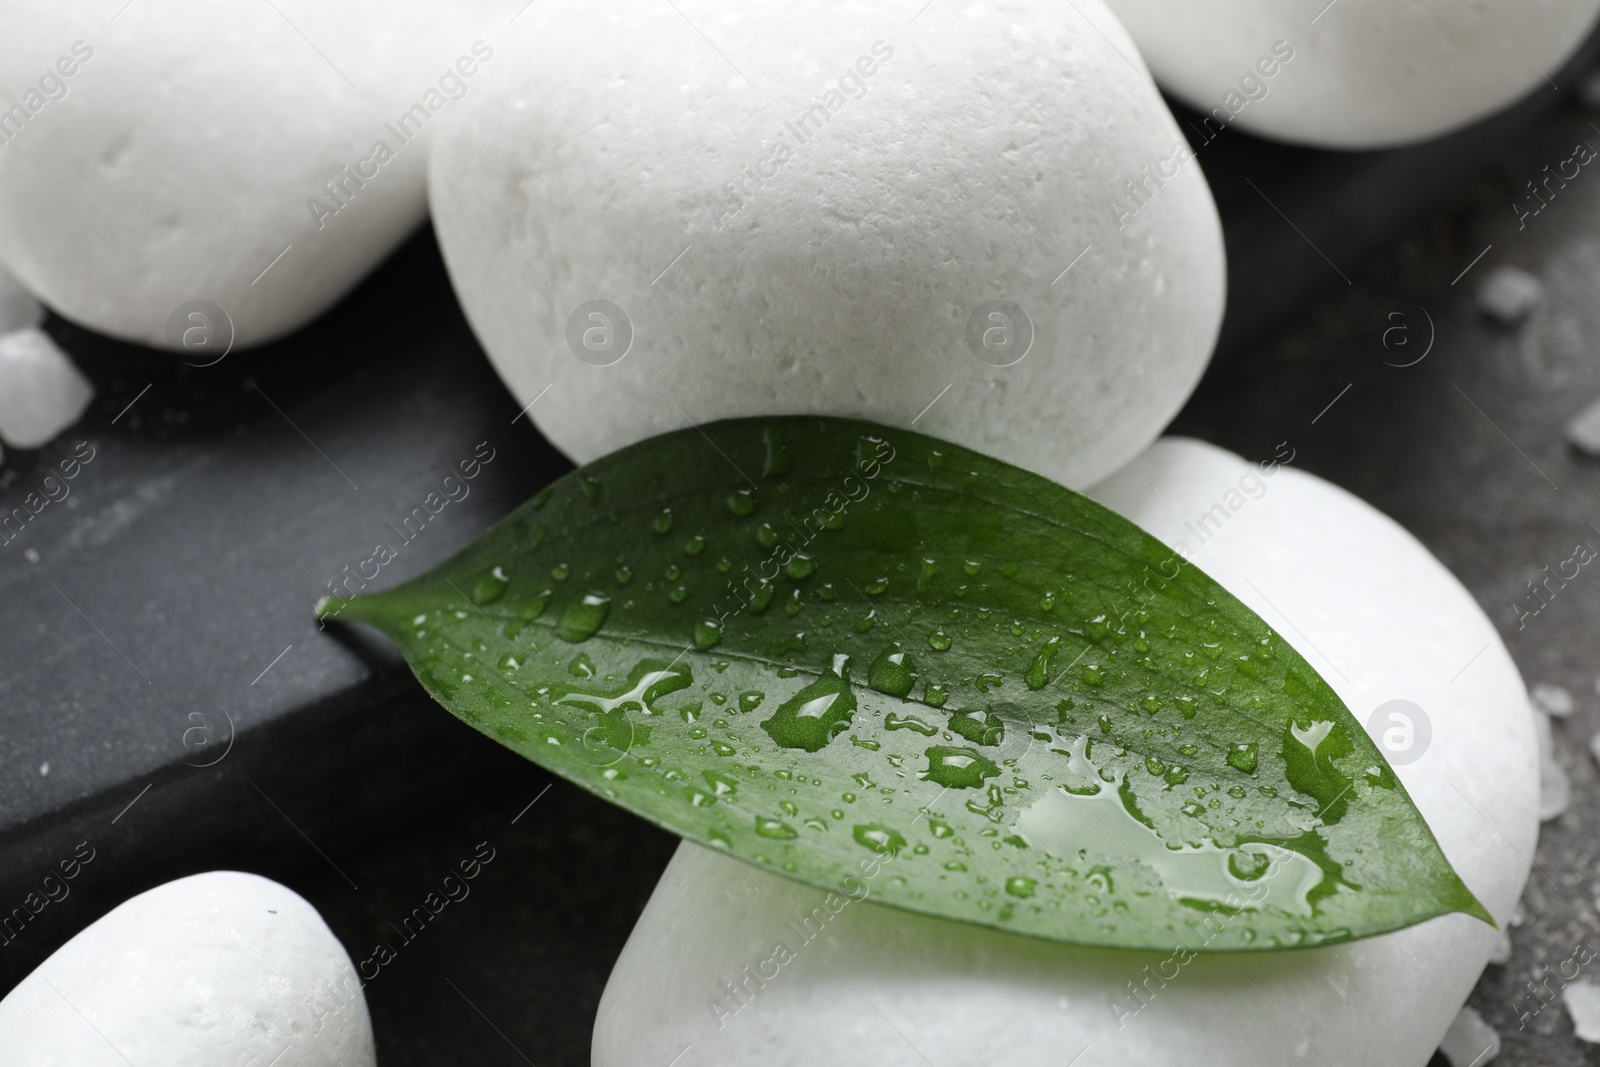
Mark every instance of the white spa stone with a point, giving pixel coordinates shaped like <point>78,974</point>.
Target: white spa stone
<point>772,258</point>
<point>1356,588</point>
<point>1361,73</point>
<point>41,390</point>
<point>211,970</point>
<point>170,153</point>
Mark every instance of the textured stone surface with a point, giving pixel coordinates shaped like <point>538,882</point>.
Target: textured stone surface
<point>217,968</point>
<point>829,235</point>
<point>153,155</point>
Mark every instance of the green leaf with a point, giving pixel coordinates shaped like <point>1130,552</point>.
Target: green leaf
<point>881,663</point>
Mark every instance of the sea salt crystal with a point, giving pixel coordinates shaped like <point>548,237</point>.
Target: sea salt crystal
<point>1555,789</point>
<point>1470,1042</point>
<point>1508,295</point>
<point>1583,433</point>
<point>1552,699</point>
<point>41,391</point>
<point>1583,1004</point>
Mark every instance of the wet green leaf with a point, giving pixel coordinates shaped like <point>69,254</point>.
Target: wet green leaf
<point>850,653</point>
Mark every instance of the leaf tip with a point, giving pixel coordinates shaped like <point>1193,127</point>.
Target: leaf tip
<point>1467,903</point>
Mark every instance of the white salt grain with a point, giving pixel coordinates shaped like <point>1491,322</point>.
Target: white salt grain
<point>1552,699</point>
<point>1555,789</point>
<point>41,392</point>
<point>1508,295</point>
<point>1583,1004</point>
<point>1470,1042</point>
<point>1583,433</point>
